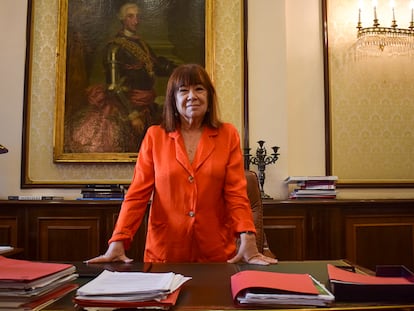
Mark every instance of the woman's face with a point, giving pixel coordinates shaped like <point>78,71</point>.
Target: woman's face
<point>192,102</point>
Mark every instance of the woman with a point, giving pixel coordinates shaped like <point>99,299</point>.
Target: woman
<point>192,167</point>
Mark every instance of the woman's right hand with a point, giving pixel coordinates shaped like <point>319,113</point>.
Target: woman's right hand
<point>115,252</point>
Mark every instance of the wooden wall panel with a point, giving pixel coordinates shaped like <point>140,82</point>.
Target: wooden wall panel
<point>8,231</point>
<point>286,236</point>
<point>80,238</point>
<point>380,240</point>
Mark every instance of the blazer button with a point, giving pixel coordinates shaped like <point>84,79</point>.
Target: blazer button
<point>191,213</point>
<point>190,179</point>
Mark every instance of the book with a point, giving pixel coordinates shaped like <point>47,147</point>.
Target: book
<point>103,186</point>
<point>317,185</point>
<point>310,193</point>
<point>35,197</point>
<point>102,195</point>
<point>313,187</point>
<point>314,192</point>
<point>295,179</point>
<point>102,192</point>
<point>252,287</point>
<point>101,199</point>
<point>131,290</point>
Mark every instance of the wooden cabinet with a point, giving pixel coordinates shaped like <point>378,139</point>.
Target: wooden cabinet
<point>12,227</point>
<point>366,232</point>
<point>62,230</point>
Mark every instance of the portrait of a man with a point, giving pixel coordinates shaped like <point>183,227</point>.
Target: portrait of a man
<point>119,57</point>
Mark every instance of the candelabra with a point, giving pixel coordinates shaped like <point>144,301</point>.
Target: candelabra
<point>3,149</point>
<point>261,160</point>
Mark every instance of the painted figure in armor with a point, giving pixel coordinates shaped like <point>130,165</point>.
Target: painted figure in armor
<point>131,67</point>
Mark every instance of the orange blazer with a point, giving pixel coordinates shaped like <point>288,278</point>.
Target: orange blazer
<point>197,208</point>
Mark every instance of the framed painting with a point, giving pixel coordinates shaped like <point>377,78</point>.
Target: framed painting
<point>45,162</point>
<point>368,99</point>
<point>114,60</point>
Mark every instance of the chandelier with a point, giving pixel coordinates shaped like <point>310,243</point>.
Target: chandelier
<point>376,40</point>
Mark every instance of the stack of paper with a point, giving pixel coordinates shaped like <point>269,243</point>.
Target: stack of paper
<point>131,290</point>
<point>29,285</point>
<point>316,187</point>
<point>102,192</point>
<point>264,288</point>
<point>5,249</point>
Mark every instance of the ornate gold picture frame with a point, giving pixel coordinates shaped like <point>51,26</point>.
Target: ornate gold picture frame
<point>44,73</point>
<point>98,117</point>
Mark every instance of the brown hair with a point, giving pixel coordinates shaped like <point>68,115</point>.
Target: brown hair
<point>189,74</point>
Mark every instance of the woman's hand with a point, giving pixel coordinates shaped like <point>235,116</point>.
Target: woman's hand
<point>115,252</point>
<point>248,252</point>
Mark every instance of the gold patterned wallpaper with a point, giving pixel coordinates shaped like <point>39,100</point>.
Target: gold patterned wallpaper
<point>228,78</point>
<point>371,100</point>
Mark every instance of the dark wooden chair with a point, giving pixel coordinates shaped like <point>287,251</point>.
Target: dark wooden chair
<point>253,192</point>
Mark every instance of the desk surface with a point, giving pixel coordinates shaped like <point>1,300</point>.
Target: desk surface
<point>209,288</point>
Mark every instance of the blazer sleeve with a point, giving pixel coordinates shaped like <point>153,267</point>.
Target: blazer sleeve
<point>235,187</point>
<point>135,204</point>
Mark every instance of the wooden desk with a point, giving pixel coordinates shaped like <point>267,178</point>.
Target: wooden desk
<point>358,230</point>
<point>209,288</point>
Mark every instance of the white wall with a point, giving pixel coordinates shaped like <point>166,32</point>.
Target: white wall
<point>12,58</point>
<point>286,87</point>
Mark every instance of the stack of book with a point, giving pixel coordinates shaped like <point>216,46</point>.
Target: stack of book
<point>102,192</point>
<point>274,289</point>
<point>31,285</point>
<point>135,290</point>
<point>316,187</point>
<point>36,197</point>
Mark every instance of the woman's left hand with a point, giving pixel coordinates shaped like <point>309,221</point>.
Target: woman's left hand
<point>248,252</point>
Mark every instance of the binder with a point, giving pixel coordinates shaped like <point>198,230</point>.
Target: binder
<point>25,274</point>
<point>254,288</point>
<point>391,283</point>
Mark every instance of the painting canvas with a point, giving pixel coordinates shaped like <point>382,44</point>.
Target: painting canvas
<point>114,61</point>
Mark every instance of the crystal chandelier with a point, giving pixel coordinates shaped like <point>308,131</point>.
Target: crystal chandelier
<point>376,40</point>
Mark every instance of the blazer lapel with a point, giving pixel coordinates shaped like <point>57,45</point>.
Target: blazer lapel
<point>180,153</point>
<point>205,147</point>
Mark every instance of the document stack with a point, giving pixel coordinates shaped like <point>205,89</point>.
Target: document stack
<point>102,192</point>
<point>113,290</point>
<point>273,289</point>
<point>313,187</point>
<point>28,285</point>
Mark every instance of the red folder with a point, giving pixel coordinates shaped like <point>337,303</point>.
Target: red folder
<point>16,273</point>
<point>163,304</point>
<point>289,282</point>
<point>338,274</point>
<point>49,298</point>
<point>384,286</point>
